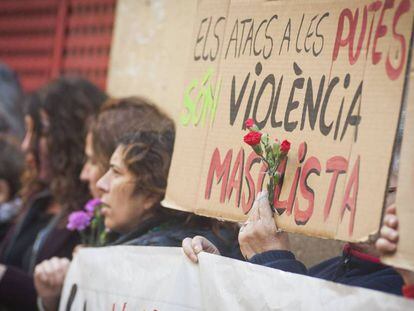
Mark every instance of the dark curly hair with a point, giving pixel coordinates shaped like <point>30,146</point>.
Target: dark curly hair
<point>147,155</point>
<point>117,118</point>
<point>68,102</point>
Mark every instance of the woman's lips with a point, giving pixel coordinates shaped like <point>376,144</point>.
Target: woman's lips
<point>105,210</point>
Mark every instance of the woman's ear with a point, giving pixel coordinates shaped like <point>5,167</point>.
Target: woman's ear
<point>150,201</point>
<point>4,191</point>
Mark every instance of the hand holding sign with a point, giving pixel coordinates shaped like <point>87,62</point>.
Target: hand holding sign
<point>193,246</point>
<point>49,276</point>
<point>259,233</point>
<point>388,240</point>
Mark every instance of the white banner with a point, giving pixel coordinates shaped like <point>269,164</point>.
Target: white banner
<point>160,278</point>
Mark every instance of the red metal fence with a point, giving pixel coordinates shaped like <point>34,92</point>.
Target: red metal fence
<point>41,39</point>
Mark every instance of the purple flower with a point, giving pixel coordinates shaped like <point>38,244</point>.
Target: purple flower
<point>91,204</point>
<point>78,221</point>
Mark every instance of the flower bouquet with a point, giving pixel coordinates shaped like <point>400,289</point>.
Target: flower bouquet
<point>272,153</point>
<point>89,223</point>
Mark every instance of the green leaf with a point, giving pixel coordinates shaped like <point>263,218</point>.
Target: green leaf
<point>269,153</point>
<point>271,163</point>
<point>269,188</point>
<point>276,178</point>
<point>276,148</point>
<point>265,139</point>
<point>258,149</point>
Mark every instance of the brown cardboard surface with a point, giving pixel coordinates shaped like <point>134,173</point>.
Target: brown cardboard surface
<point>192,125</point>
<point>150,49</point>
<point>226,191</point>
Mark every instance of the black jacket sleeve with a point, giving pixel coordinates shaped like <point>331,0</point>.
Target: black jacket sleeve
<point>282,260</point>
<point>17,290</point>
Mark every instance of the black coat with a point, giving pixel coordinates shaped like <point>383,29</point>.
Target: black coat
<point>36,237</point>
<point>347,269</point>
<point>160,231</point>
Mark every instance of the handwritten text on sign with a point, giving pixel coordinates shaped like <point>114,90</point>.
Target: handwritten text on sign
<point>311,77</point>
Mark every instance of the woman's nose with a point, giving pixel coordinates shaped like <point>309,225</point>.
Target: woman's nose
<point>103,183</point>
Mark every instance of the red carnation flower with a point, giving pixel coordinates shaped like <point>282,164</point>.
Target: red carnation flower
<point>249,123</point>
<point>252,138</point>
<point>285,146</point>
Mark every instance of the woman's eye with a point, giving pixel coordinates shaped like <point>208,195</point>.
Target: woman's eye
<point>115,171</point>
<point>392,189</point>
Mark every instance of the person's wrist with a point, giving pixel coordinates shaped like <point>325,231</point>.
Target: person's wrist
<point>276,245</point>
<point>49,303</point>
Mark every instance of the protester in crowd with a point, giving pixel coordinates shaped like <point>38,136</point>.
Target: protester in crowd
<point>117,118</point>
<point>11,168</point>
<point>132,188</point>
<point>55,135</point>
<point>387,245</point>
<point>262,243</point>
<point>139,167</point>
<point>11,111</point>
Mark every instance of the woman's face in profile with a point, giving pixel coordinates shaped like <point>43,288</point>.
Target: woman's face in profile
<point>35,147</point>
<point>91,171</point>
<point>124,210</point>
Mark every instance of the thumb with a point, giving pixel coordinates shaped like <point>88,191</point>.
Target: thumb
<point>209,247</point>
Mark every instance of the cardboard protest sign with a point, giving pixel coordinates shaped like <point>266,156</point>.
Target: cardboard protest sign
<point>160,278</point>
<point>149,57</point>
<point>328,76</point>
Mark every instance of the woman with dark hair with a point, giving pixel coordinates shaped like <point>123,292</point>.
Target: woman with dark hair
<point>135,185</point>
<point>55,119</point>
<point>116,118</point>
<point>130,118</point>
<point>132,190</point>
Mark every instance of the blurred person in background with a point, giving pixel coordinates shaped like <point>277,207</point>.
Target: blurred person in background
<point>11,111</point>
<point>56,129</point>
<point>11,168</point>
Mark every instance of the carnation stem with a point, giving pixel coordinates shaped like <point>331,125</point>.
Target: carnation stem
<point>271,192</point>
<point>83,237</point>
